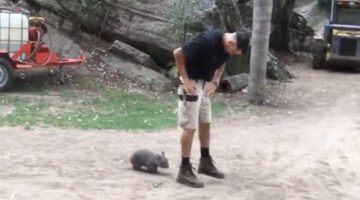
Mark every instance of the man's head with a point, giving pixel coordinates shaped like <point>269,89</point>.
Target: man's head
<point>236,43</point>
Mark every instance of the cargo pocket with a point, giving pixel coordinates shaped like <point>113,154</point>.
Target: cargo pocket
<point>187,109</point>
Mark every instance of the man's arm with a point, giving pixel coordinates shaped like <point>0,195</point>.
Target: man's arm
<point>180,63</point>
<point>190,87</point>
<point>211,87</point>
<point>218,74</point>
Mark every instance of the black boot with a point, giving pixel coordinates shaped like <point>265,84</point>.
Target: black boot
<point>207,167</point>
<point>187,177</point>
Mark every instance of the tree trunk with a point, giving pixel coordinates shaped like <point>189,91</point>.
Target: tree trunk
<point>259,51</point>
<point>282,15</point>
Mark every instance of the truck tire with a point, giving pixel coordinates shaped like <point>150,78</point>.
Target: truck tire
<point>7,74</point>
<point>319,53</point>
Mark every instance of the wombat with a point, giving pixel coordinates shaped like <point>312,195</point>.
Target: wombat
<point>151,161</point>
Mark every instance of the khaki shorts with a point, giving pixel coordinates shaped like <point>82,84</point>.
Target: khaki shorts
<point>193,110</point>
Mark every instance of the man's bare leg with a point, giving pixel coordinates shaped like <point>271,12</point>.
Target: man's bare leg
<point>186,142</point>
<point>204,135</point>
<point>206,165</point>
<point>186,175</point>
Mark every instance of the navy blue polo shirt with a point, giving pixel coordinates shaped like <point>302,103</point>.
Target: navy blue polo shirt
<point>204,54</point>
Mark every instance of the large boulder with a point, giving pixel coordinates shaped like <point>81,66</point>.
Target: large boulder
<point>138,73</point>
<point>316,18</point>
<point>230,15</point>
<point>148,25</point>
<point>154,27</point>
<point>301,35</point>
<point>235,83</point>
<point>276,69</point>
<point>132,54</point>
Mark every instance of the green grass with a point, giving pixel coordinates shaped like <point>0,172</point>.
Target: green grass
<point>100,108</point>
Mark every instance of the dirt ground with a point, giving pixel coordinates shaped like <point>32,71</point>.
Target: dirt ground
<point>304,145</point>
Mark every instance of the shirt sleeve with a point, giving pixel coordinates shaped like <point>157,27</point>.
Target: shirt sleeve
<point>198,48</point>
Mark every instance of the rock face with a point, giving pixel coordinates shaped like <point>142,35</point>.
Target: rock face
<point>154,27</point>
<point>138,73</point>
<point>276,69</point>
<point>290,31</point>
<point>315,17</point>
<point>231,15</point>
<point>301,35</point>
<point>134,65</point>
<point>148,25</point>
<point>132,54</point>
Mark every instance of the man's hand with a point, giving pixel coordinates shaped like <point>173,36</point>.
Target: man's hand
<point>189,86</point>
<point>210,88</point>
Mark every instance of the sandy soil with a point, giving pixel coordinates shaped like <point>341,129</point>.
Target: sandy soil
<point>304,145</point>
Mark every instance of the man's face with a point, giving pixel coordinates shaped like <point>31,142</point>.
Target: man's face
<point>232,48</point>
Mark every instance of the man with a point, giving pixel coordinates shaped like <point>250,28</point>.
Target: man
<point>201,63</point>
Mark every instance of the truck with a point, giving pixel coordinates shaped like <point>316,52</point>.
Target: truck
<point>340,44</point>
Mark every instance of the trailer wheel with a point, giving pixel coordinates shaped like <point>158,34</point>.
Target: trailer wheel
<point>319,53</point>
<point>7,74</point>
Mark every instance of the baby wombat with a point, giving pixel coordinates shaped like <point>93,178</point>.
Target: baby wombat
<point>151,161</point>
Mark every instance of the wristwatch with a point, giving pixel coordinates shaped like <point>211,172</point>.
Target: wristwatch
<point>215,83</point>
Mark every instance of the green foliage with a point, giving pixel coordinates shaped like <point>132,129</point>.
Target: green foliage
<point>184,11</point>
<point>325,4</point>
